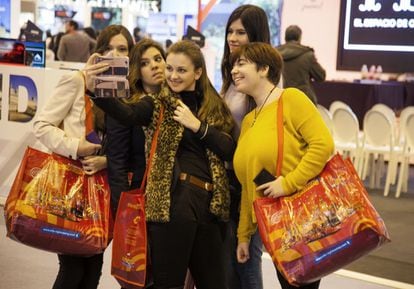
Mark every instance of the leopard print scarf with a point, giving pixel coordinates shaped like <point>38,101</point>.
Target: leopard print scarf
<point>159,181</point>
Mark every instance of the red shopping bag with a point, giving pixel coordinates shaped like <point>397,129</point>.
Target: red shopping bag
<point>54,206</point>
<point>129,246</point>
<point>324,227</point>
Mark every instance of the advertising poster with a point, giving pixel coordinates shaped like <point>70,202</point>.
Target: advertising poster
<point>5,18</point>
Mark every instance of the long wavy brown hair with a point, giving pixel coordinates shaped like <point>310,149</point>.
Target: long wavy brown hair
<point>212,104</point>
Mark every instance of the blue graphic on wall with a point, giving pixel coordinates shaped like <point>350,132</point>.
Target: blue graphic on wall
<point>5,18</point>
<point>22,93</point>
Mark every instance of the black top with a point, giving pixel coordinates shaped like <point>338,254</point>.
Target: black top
<point>125,153</point>
<point>191,153</point>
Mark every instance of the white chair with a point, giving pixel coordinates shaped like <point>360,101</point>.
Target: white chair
<point>326,115</point>
<point>407,136</point>
<point>390,114</point>
<point>347,135</point>
<point>402,119</point>
<point>379,142</point>
<point>336,104</point>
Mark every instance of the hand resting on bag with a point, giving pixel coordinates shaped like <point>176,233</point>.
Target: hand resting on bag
<point>273,189</point>
<point>93,164</point>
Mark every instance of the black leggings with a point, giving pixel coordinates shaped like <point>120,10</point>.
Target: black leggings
<point>285,284</point>
<point>192,239</point>
<point>77,272</point>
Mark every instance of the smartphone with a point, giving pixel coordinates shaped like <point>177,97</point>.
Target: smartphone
<point>93,137</point>
<point>111,86</point>
<point>118,66</point>
<point>264,176</point>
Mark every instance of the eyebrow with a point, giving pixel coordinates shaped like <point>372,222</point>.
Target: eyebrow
<point>147,58</point>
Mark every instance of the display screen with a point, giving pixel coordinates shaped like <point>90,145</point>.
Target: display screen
<point>376,32</point>
<point>103,17</point>
<point>22,52</point>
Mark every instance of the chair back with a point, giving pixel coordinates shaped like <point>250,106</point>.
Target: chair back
<point>345,125</point>
<point>337,104</point>
<point>408,130</point>
<point>386,110</point>
<point>327,116</point>
<point>405,113</point>
<point>378,128</point>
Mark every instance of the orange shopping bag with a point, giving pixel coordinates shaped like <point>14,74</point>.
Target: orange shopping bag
<point>54,206</point>
<point>322,228</point>
<point>129,246</point>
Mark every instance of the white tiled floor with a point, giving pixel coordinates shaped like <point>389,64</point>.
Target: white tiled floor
<point>25,267</point>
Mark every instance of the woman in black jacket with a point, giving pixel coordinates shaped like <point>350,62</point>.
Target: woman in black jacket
<point>125,143</point>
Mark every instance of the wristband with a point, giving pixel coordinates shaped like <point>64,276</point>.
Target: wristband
<point>202,131</point>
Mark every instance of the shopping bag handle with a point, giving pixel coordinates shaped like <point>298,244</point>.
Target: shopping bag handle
<point>153,148</point>
<point>280,136</point>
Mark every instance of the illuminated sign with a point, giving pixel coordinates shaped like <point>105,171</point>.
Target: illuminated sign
<point>376,25</point>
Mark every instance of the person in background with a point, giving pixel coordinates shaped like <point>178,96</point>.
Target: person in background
<point>60,126</point>
<point>137,34</point>
<point>54,44</point>
<point>187,193</point>
<point>90,32</point>
<point>125,143</point>
<point>307,146</point>
<point>75,46</point>
<point>247,23</point>
<point>300,64</point>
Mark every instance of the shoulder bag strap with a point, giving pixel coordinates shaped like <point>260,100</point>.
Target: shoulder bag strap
<point>153,148</point>
<point>89,126</point>
<point>280,136</point>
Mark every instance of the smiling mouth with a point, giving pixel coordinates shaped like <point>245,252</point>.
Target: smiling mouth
<point>237,79</point>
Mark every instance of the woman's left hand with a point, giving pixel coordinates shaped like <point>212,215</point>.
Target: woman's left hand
<point>93,164</point>
<point>183,115</point>
<point>273,189</point>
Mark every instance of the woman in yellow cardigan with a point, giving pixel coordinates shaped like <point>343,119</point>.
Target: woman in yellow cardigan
<point>308,143</point>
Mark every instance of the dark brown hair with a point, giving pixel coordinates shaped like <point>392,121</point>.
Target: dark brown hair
<point>135,57</point>
<point>263,55</point>
<point>212,103</point>
<point>102,45</point>
<point>106,35</point>
<point>254,20</point>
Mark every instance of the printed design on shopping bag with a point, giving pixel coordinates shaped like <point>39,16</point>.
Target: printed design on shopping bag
<point>131,260</point>
<point>314,215</point>
<point>63,194</point>
<point>329,208</point>
<point>337,203</point>
<point>129,247</point>
<point>54,206</point>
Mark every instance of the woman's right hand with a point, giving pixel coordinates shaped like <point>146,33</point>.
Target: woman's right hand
<point>243,252</point>
<point>86,148</point>
<point>91,70</point>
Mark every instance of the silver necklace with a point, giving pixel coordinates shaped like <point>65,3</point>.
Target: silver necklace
<point>258,111</point>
